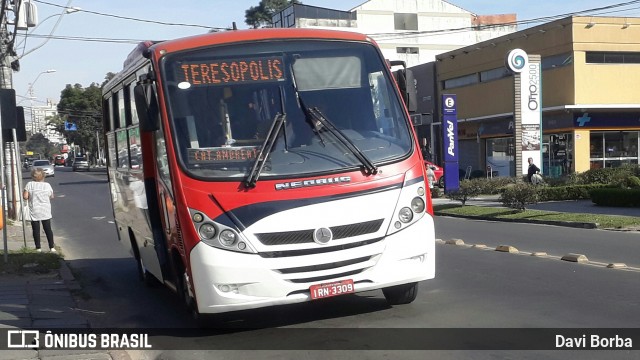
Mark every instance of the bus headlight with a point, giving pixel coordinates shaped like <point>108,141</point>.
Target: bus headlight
<point>207,231</point>
<point>198,217</point>
<point>227,237</point>
<point>418,205</point>
<point>405,215</point>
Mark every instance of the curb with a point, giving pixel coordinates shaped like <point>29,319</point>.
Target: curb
<point>581,225</point>
<point>67,276</point>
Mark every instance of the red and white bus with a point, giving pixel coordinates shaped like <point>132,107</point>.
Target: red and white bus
<point>264,167</point>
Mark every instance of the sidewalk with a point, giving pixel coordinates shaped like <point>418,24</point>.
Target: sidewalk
<point>40,301</point>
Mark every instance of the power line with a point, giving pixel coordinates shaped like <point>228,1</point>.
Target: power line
<point>90,39</point>
<point>137,19</point>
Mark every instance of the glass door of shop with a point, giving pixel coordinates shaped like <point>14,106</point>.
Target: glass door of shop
<point>557,154</point>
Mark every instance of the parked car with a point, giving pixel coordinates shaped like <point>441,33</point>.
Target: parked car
<point>438,171</point>
<point>44,165</point>
<point>58,160</point>
<point>80,163</point>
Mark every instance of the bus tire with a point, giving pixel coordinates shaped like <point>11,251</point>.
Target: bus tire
<point>401,294</point>
<point>190,304</point>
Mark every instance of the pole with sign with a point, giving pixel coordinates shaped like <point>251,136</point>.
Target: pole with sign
<point>450,137</point>
<point>527,108</point>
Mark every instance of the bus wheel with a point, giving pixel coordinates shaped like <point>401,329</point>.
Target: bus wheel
<point>189,302</point>
<point>401,294</point>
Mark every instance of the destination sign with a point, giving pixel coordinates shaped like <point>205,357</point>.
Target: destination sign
<point>236,71</point>
<point>223,154</point>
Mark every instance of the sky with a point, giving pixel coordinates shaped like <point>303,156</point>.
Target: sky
<point>86,62</point>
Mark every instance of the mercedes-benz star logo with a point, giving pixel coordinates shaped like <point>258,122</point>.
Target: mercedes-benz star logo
<point>322,236</point>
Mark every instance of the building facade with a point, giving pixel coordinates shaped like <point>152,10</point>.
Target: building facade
<point>39,122</point>
<point>590,100</point>
<point>414,31</point>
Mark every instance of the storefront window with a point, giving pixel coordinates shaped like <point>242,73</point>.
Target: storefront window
<point>500,156</point>
<point>613,148</point>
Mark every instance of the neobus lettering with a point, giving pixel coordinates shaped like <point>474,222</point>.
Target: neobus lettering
<point>312,182</point>
<point>229,72</point>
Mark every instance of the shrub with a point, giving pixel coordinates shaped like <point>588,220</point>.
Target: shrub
<point>569,192</point>
<point>633,182</point>
<point>436,192</point>
<point>468,189</point>
<point>519,196</point>
<point>494,185</point>
<point>606,175</point>
<point>607,196</point>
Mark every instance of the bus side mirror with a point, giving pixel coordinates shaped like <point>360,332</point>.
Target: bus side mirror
<point>147,109</point>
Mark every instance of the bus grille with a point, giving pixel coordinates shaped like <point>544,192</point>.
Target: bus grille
<point>322,272</point>
<point>319,250</point>
<point>306,236</point>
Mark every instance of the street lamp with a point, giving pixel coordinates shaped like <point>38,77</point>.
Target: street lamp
<point>70,10</point>
<point>31,97</point>
<point>66,9</point>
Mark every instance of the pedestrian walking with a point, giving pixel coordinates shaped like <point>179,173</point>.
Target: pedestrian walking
<point>39,194</point>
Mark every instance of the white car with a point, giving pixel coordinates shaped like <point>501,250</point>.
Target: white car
<point>44,165</point>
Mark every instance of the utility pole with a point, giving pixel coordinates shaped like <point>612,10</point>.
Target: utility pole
<point>5,80</point>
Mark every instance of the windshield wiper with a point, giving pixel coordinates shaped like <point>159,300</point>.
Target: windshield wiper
<point>319,122</point>
<point>265,150</point>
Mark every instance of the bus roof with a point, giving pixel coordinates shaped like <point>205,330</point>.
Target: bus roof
<point>144,49</point>
<point>255,35</point>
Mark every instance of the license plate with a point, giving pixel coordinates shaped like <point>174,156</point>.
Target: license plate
<point>321,291</point>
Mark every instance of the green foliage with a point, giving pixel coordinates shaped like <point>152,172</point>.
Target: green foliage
<point>436,192</point>
<point>633,182</point>
<point>494,185</point>
<point>605,176</point>
<point>519,195</point>
<point>568,192</point>
<point>468,189</point>
<point>607,196</point>
<point>41,146</point>
<point>29,261</point>
<point>82,106</point>
<point>260,16</point>
<point>568,179</point>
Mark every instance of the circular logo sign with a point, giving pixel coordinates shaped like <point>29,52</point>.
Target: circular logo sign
<point>449,102</point>
<point>517,60</point>
<point>322,236</point>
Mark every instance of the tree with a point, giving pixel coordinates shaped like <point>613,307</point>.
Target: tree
<point>41,146</point>
<point>82,107</point>
<point>260,16</point>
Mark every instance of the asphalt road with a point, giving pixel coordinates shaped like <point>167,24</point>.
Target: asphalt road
<point>473,288</point>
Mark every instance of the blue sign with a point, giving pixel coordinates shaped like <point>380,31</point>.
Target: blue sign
<point>450,128</point>
<point>69,126</point>
<point>450,136</point>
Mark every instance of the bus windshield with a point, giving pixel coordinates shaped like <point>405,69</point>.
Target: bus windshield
<point>224,100</point>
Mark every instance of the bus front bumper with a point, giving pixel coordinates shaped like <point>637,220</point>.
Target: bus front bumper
<point>228,281</point>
